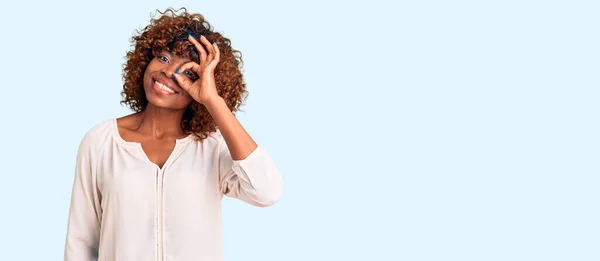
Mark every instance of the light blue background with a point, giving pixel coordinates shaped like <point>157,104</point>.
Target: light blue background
<point>414,130</point>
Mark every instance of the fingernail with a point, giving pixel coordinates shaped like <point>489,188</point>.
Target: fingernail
<point>215,43</point>
<point>190,35</point>
<point>172,74</point>
<point>177,70</point>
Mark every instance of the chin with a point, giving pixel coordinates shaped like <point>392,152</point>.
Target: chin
<point>167,102</point>
<point>160,102</point>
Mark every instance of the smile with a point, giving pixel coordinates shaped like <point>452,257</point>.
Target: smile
<point>163,88</point>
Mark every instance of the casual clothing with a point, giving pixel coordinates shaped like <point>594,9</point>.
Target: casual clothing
<point>126,208</point>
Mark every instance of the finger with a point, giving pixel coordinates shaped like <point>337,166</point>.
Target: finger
<point>183,81</point>
<point>209,47</point>
<point>190,66</point>
<point>215,61</point>
<point>198,46</point>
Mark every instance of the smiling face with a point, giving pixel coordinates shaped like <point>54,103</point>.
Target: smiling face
<point>159,85</point>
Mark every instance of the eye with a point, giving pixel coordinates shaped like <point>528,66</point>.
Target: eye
<point>189,73</point>
<point>163,58</point>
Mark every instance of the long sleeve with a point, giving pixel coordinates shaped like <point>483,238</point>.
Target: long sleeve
<point>254,180</point>
<point>83,230</point>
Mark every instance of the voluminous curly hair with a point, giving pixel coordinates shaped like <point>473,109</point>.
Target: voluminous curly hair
<point>170,32</point>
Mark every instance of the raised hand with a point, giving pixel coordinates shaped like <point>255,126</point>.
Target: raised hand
<point>203,90</point>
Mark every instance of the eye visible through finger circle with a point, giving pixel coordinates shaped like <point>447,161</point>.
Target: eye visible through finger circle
<point>190,74</point>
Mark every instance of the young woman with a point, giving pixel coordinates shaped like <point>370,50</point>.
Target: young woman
<point>148,186</point>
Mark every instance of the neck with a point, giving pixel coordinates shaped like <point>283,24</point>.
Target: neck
<point>161,123</point>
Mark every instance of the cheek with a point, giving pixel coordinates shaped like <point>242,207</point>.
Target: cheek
<point>150,70</point>
<point>188,99</point>
<point>153,66</point>
<point>146,74</point>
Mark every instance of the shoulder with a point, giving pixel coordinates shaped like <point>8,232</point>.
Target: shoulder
<point>215,141</point>
<point>216,137</point>
<point>100,130</point>
<point>97,135</point>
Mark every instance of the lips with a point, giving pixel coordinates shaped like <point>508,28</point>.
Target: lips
<point>166,86</point>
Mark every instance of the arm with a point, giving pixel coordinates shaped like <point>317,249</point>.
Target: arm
<point>238,140</point>
<point>83,230</point>
<point>246,171</point>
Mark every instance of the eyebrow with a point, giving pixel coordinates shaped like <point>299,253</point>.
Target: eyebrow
<point>168,52</point>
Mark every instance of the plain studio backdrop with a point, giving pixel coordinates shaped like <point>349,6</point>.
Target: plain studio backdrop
<point>404,130</point>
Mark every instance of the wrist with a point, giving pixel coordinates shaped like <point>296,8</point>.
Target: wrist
<point>214,102</point>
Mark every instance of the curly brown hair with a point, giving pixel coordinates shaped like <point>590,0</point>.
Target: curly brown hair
<point>170,32</point>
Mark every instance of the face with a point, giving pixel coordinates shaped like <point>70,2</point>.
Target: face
<point>161,88</point>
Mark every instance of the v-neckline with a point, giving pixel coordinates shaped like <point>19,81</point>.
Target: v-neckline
<point>138,145</point>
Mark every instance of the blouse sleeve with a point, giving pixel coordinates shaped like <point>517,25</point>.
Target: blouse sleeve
<point>254,180</point>
<point>83,229</point>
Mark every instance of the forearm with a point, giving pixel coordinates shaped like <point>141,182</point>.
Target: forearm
<point>238,140</point>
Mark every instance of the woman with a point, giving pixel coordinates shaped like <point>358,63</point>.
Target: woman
<point>148,186</point>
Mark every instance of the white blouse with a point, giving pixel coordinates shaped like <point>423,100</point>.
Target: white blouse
<point>126,208</point>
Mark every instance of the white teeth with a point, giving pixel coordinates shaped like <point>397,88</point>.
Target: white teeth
<point>163,87</point>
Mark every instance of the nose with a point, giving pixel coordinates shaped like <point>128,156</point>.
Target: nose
<point>169,71</point>
<point>172,68</point>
